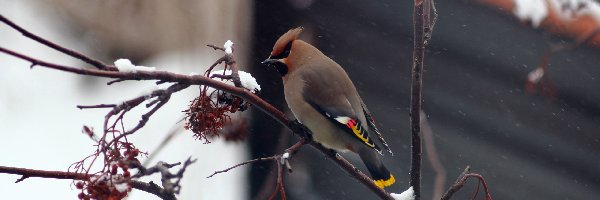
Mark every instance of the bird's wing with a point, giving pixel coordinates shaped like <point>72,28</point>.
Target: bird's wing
<point>350,125</point>
<point>371,123</point>
<point>328,97</point>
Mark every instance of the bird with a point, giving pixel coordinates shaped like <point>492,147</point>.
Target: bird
<point>322,97</point>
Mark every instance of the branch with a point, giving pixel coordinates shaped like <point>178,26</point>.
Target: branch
<point>27,173</point>
<point>271,178</point>
<point>283,157</point>
<point>97,106</point>
<point>280,160</point>
<point>154,189</point>
<point>419,17</point>
<point>460,182</point>
<point>96,63</point>
<point>215,47</point>
<point>163,96</point>
<point>242,164</point>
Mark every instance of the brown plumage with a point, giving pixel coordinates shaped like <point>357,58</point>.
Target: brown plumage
<point>323,98</point>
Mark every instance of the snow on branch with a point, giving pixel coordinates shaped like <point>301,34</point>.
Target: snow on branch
<point>125,65</point>
<point>409,194</point>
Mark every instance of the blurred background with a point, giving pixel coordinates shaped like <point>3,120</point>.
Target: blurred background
<point>531,136</point>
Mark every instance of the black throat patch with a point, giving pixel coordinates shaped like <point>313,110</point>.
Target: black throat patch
<point>281,68</point>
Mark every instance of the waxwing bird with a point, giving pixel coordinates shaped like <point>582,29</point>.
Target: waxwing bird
<point>323,98</point>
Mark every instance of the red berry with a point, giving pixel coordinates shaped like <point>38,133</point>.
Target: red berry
<point>79,185</point>
<point>81,195</point>
<point>135,152</point>
<point>113,169</point>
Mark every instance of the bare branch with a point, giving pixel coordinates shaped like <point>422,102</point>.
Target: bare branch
<point>234,70</point>
<point>289,151</point>
<point>166,175</point>
<point>456,186</point>
<point>152,188</point>
<point>97,106</point>
<point>460,182</point>
<point>96,63</point>
<point>244,163</point>
<point>419,17</point>
<point>27,173</point>
<point>215,47</point>
<point>279,187</point>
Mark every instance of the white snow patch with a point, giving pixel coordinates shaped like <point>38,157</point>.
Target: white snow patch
<point>122,187</point>
<point>102,177</point>
<point>536,75</point>
<point>537,10</point>
<point>284,157</point>
<point>531,10</point>
<point>409,194</point>
<point>125,65</point>
<point>568,9</point>
<point>248,82</point>
<point>228,47</point>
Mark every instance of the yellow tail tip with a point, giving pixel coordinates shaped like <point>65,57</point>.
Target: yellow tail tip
<point>385,183</point>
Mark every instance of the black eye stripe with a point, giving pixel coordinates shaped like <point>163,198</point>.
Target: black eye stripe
<point>285,53</point>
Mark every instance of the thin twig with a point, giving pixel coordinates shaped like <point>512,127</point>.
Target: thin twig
<point>215,47</point>
<point>163,96</point>
<point>271,178</point>
<point>244,163</point>
<point>97,106</point>
<point>152,188</point>
<point>235,77</point>
<point>226,77</point>
<point>96,63</point>
<point>115,81</point>
<point>166,175</point>
<point>289,151</point>
<point>279,187</point>
<point>211,67</point>
<point>460,182</point>
<point>456,186</point>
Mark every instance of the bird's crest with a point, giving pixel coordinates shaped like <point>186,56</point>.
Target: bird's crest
<point>284,42</point>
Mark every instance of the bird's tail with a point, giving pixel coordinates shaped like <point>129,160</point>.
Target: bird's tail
<point>381,175</point>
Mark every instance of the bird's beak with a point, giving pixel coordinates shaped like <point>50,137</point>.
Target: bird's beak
<point>269,61</point>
